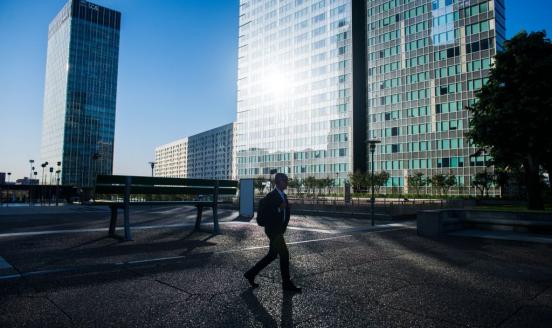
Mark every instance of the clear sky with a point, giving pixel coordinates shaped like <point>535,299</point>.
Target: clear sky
<point>177,72</point>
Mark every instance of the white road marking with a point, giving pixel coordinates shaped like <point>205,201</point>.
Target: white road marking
<point>182,225</point>
<point>159,259</point>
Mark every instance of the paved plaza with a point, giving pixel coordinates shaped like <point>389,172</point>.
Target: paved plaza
<point>58,268</point>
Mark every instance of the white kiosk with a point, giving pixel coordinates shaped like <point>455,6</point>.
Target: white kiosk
<point>247,198</point>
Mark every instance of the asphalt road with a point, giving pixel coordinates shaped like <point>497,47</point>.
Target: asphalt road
<point>58,268</point>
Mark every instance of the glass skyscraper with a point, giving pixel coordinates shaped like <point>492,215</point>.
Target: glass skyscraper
<point>80,91</point>
<point>295,105</point>
<point>426,59</point>
<point>317,78</point>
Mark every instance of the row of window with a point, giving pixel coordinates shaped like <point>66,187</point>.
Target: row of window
<point>437,39</point>
<point>479,27</point>
<point>476,84</point>
<point>424,93</point>
<point>315,168</point>
<point>415,112</point>
<point>384,22</point>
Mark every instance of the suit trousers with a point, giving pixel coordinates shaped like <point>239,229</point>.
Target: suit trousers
<point>277,248</point>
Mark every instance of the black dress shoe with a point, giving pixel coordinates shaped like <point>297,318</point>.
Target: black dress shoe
<point>251,280</point>
<point>290,287</point>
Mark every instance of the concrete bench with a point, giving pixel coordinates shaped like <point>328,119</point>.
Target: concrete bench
<point>437,222</point>
<point>124,187</point>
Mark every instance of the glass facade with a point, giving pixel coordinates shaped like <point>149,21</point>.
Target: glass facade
<point>303,64</point>
<point>426,60</point>
<point>295,88</point>
<point>80,91</point>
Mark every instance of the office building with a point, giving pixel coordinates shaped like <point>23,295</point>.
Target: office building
<point>171,159</point>
<point>206,155</point>
<point>426,60</point>
<point>316,79</point>
<point>80,91</point>
<point>295,102</point>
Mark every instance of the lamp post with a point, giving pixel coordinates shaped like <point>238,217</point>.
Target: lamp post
<point>336,183</point>
<point>57,186</point>
<point>7,190</point>
<point>58,171</point>
<point>31,161</point>
<point>372,144</point>
<point>152,164</point>
<point>50,189</point>
<point>43,166</point>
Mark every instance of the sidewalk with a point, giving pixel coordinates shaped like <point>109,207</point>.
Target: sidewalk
<point>352,276</point>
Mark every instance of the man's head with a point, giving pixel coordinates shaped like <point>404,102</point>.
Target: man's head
<point>281,181</point>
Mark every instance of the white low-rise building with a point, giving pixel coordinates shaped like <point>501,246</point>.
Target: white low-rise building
<point>206,155</point>
<point>171,159</point>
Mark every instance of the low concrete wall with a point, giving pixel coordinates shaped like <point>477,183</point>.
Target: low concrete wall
<point>437,222</point>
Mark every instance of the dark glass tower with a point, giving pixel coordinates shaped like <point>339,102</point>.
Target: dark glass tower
<point>80,91</point>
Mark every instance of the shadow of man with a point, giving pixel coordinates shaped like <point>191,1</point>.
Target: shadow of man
<point>287,309</point>
<point>263,316</point>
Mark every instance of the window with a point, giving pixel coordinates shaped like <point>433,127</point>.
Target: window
<point>479,45</point>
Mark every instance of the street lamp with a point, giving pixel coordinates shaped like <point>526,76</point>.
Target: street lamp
<point>8,187</point>
<point>31,161</point>
<point>372,144</point>
<point>336,183</point>
<point>152,164</point>
<point>58,171</point>
<point>57,184</point>
<point>43,166</point>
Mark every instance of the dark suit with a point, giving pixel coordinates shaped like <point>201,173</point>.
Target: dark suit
<point>276,221</point>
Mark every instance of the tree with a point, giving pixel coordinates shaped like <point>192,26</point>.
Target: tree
<point>310,183</point>
<point>513,114</point>
<point>502,177</point>
<point>328,183</point>
<point>358,180</point>
<point>483,181</point>
<point>294,184</point>
<point>443,182</point>
<point>417,181</point>
<point>258,184</point>
<point>380,179</point>
<point>320,184</point>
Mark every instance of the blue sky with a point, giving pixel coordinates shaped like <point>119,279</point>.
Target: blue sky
<point>177,72</point>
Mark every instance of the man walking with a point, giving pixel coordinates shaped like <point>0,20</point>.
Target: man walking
<point>276,214</point>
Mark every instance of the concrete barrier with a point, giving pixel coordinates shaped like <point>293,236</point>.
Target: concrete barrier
<point>437,222</point>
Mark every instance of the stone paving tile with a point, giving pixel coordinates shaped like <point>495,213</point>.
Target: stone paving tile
<point>362,288</point>
<point>534,316</point>
<point>114,299</point>
<point>453,305</point>
<point>514,271</point>
<point>199,279</point>
<point>269,306</point>
<point>545,298</point>
<point>373,317</point>
<point>31,311</point>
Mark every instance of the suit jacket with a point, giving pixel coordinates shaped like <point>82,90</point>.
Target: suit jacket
<point>276,223</point>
